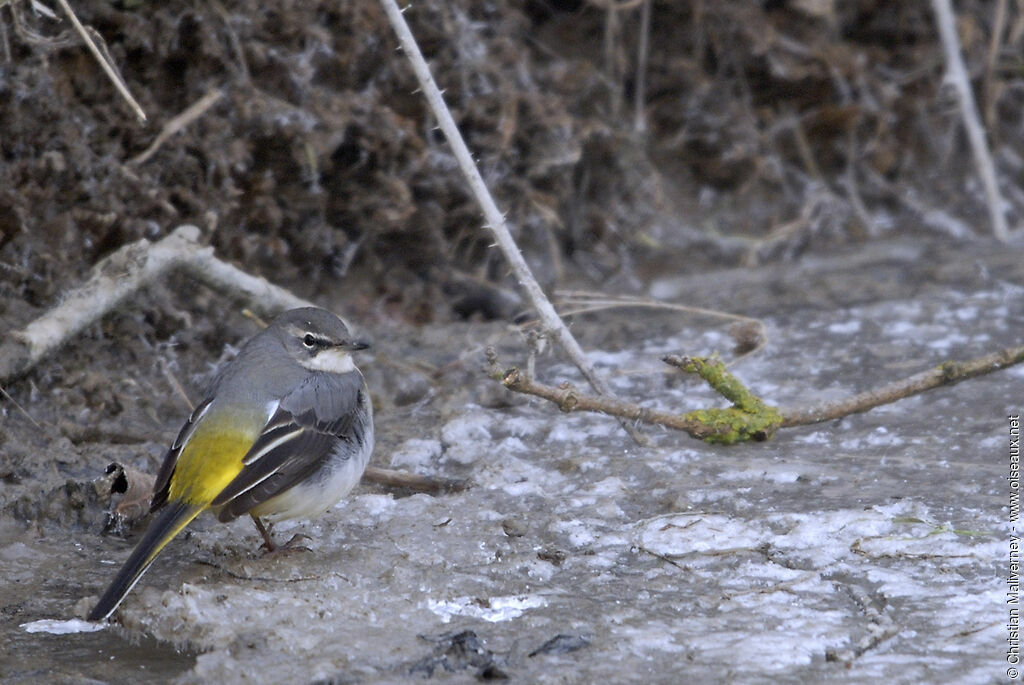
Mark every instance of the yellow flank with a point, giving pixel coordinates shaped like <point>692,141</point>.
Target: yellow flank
<point>213,457</point>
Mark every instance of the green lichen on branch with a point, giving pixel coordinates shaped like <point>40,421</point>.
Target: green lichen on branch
<point>748,419</point>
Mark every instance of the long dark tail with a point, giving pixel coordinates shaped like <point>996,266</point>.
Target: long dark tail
<point>167,524</point>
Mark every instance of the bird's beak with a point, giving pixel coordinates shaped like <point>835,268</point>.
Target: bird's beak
<point>353,345</point>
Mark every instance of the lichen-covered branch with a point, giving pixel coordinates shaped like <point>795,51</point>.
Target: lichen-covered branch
<point>754,420</point>
<point>749,417</point>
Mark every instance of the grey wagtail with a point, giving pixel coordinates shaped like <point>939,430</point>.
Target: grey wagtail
<point>285,431</point>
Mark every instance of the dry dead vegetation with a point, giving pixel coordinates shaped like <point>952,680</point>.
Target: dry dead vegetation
<point>736,131</point>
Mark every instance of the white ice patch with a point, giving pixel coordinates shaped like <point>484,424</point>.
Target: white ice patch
<point>654,637</point>
<point>471,427</point>
<point>494,609</point>
<point>375,506</point>
<point>612,359</point>
<point>950,340</point>
<point>467,438</point>
<point>415,454</point>
<point>59,627</point>
<point>881,437</point>
<point>770,474</point>
<point>674,535</point>
<point>845,327</point>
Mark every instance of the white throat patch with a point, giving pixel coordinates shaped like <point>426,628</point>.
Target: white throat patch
<point>332,360</point>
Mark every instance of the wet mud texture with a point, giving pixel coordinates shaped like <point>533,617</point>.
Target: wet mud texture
<point>573,555</point>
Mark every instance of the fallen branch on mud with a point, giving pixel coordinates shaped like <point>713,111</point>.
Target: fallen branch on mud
<point>123,273</point>
<point>749,418</point>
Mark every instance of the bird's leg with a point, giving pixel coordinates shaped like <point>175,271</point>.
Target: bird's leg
<point>271,547</point>
<point>268,541</point>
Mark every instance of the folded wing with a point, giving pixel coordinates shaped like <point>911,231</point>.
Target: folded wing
<point>312,425</point>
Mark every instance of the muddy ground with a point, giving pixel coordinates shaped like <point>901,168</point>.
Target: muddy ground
<point>767,136</point>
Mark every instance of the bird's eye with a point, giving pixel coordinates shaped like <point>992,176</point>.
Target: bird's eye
<point>309,341</point>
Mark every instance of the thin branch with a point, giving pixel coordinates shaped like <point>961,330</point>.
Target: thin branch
<point>411,481</point>
<point>105,63</point>
<point>948,373</point>
<point>611,63</point>
<point>642,51</point>
<point>569,399</point>
<point>956,73</point>
<point>748,419</point>
<point>750,334</point>
<point>178,123</point>
<point>494,217</point>
<point>988,87</point>
<point>19,407</point>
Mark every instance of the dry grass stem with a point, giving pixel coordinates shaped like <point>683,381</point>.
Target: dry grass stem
<point>957,75</point>
<point>178,123</point>
<point>573,302</point>
<point>104,60</point>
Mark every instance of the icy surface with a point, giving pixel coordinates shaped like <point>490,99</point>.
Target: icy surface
<point>62,626</point>
<point>869,549</point>
<point>827,552</point>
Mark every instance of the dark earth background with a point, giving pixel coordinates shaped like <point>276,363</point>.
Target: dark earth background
<point>770,129</point>
<point>769,134</point>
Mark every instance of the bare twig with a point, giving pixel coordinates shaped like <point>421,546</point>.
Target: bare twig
<point>989,90</point>
<point>947,373</point>
<point>643,47</point>
<point>570,399</point>
<point>495,218</point>
<point>4,42</point>
<point>611,61</point>
<point>849,182</point>
<point>108,68</point>
<point>19,407</point>
<point>573,303</point>
<point>178,123</point>
<point>956,73</point>
<point>411,481</point>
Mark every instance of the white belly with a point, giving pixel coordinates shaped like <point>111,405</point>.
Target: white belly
<point>321,491</point>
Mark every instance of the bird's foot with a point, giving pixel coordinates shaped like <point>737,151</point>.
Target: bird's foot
<point>290,547</point>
